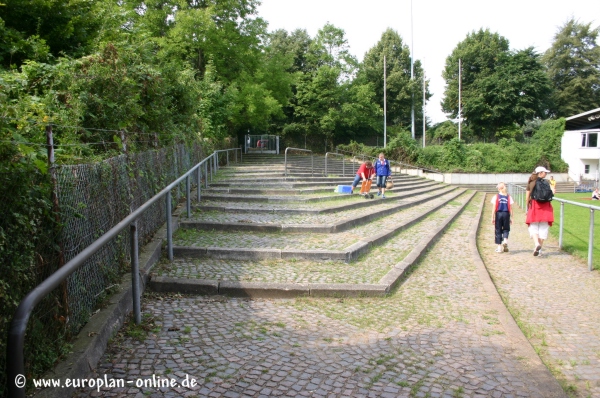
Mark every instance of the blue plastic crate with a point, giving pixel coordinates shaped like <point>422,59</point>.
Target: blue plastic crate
<point>345,189</point>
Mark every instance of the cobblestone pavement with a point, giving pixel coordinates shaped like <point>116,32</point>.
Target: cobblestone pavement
<point>435,336</point>
<point>338,200</point>
<point>367,269</point>
<point>555,299</point>
<point>329,218</point>
<point>306,241</point>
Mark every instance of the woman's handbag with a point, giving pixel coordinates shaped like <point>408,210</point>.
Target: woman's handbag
<point>389,183</point>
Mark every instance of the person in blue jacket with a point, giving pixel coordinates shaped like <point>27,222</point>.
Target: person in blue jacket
<point>382,171</point>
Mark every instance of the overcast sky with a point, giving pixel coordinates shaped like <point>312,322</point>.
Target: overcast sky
<point>438,25</point>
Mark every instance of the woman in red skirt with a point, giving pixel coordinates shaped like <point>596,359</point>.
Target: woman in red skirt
<point>540,215</point>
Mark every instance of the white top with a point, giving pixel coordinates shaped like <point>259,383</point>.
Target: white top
<point>493,201</point>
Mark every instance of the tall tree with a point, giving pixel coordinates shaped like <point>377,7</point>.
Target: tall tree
<point>573,64</point>
<point>329,106</point>
<point>34,29</point>
<point>500,87</point>
<point>400,88</point>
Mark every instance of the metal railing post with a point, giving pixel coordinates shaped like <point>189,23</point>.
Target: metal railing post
<point>135,272</point>
<point>169,227</point>
<point>560,226</point>
<point>206,174</point>
<point>591,242</point>
<point>188,197</point>
<point>312,165</point>
<point>227,158</point>
<point>199,172</point>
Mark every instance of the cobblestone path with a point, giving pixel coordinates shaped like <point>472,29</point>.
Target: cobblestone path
<point>436,335</point>
<point>555,299</point>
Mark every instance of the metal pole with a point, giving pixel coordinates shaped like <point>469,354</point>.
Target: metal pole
<point>199,182</point>
<point>412,58</point>
<point>206,174</point>
<point>424,90</point>
<point>326,165</point>
<point>188,197</point>
<point>135,272</point>
<point>459,100</point>
<point>560,228</point>
<point>312,165</point>
<point>384,102</point>
<point>169,227</point>
<point>591,242</point>
<point>227,157</point>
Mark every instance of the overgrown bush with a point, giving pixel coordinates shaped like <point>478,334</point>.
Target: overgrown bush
<point>506,156</point>
<point>28,254</point>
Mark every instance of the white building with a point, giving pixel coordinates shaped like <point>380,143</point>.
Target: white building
<point>579,146</point>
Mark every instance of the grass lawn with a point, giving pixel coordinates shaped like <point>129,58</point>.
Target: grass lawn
<point>576,226</point>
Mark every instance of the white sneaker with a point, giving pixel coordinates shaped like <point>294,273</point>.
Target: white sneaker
<point>499,250</point>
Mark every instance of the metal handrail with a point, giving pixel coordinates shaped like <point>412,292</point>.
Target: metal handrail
<point>343,162</point>
<point>363,156</point>
<point>519,192</point>
<point>16,335</point>
<point>312,161</point>
<point>228,150</point>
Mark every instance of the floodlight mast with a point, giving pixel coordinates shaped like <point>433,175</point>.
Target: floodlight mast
<point>424,89</point>
<point>412,57</point>
<point>384,104</point>
<point>459,99</point>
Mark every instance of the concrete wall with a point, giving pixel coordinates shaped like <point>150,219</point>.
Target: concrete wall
<point>481,178</point>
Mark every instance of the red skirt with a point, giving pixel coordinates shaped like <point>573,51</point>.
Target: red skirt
<point>540,212</point>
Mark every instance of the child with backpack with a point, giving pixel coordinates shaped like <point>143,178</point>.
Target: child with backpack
<point>540,214</point>
<point>502,217</point>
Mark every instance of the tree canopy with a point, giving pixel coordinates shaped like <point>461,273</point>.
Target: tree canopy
<point>573,64</point>
<point>500,87</point>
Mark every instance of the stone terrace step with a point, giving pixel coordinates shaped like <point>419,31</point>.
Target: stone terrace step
<point>344,246</point>
<point>345,202</point>
<point>295,189</point>
<point>279,278</point>
<point>334,219</point>
<point>294,196</point>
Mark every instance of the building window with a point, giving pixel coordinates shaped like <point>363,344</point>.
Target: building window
<point>587,169</point>
<point>589,140</point>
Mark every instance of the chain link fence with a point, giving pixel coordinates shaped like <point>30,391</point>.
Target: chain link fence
<point>95,197</point>
<point>92,198</point>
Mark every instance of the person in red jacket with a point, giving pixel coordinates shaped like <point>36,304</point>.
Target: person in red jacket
<point>540,215</point>
<point>364,173</point>
<point>502,217</point>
